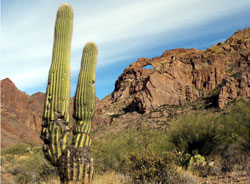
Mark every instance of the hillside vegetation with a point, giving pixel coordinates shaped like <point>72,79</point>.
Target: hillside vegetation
<point>196,146</point>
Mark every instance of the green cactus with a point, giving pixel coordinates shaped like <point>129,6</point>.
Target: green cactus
<point>85,96</point>
<point>74,162</point>
<point>56,110</point>
<point>78,156</point>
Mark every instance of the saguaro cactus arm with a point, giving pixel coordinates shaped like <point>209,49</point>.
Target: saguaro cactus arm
<point>85,96</point>
<point>56,110</point>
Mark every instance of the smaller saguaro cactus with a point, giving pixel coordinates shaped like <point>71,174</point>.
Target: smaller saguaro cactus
<point>76,164</point>
<point>85,97</point>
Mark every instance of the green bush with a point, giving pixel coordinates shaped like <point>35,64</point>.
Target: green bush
<point>208,132</point>
<point>112,152</point>
<point>152,167</point>
<point>32,169</point>
<point>194,132</point>
<point>18,149</point>
<point>234,140</point>
<point>226,133</point>
<point>235,131</point>
<point>27,164</point>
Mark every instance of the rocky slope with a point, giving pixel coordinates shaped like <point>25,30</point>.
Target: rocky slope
<point>181,76</point>
<point>146,97</point>
<point>20,115</point>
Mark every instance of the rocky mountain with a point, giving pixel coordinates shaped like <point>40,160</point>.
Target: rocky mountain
<point>20,115</point>
<point>179,78</point>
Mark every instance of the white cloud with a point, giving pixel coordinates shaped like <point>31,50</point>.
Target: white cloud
<point>118,28</point>
<point>30,78</point>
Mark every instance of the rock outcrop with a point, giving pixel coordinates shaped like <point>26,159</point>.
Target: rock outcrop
<point>234,88</point>
<point>24,108</point>
<point>20,115</point>
<point>181,76</point>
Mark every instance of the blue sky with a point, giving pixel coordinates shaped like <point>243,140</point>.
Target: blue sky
<point>123,31</point>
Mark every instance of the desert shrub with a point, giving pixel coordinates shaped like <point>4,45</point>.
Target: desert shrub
<point>234,139</point>
<point>18,149</point>
<point>235,134</point>
<point>152,167</point>
<point>195,132</point>
<point>226,134</point>
<point>111,153</point>
<point>28,164</point>
<point>209,133</point>
<point>31,169</point>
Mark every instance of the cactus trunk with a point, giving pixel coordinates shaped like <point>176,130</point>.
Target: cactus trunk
<point>56,110</point>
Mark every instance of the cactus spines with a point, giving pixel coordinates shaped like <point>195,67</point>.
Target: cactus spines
<point>85,96</point>
<point>56,110</point>
<point>76,165</point>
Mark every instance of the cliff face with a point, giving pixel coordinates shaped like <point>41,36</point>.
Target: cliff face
<point>20,115</point>
<point>181,76</point>
<point>22,107</point>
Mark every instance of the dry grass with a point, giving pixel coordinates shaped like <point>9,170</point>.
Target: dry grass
<point>52,180</point>
<point>111,178</point>
<point>105,178</point>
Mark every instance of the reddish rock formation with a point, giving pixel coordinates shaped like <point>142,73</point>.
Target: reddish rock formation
<point>25,108</point>
<point>234,88</point>
<point>20,115</point>
<point>184,75</point>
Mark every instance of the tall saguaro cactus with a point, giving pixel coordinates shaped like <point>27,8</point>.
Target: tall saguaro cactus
<point>56,111</point>
<point>74,162</point>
